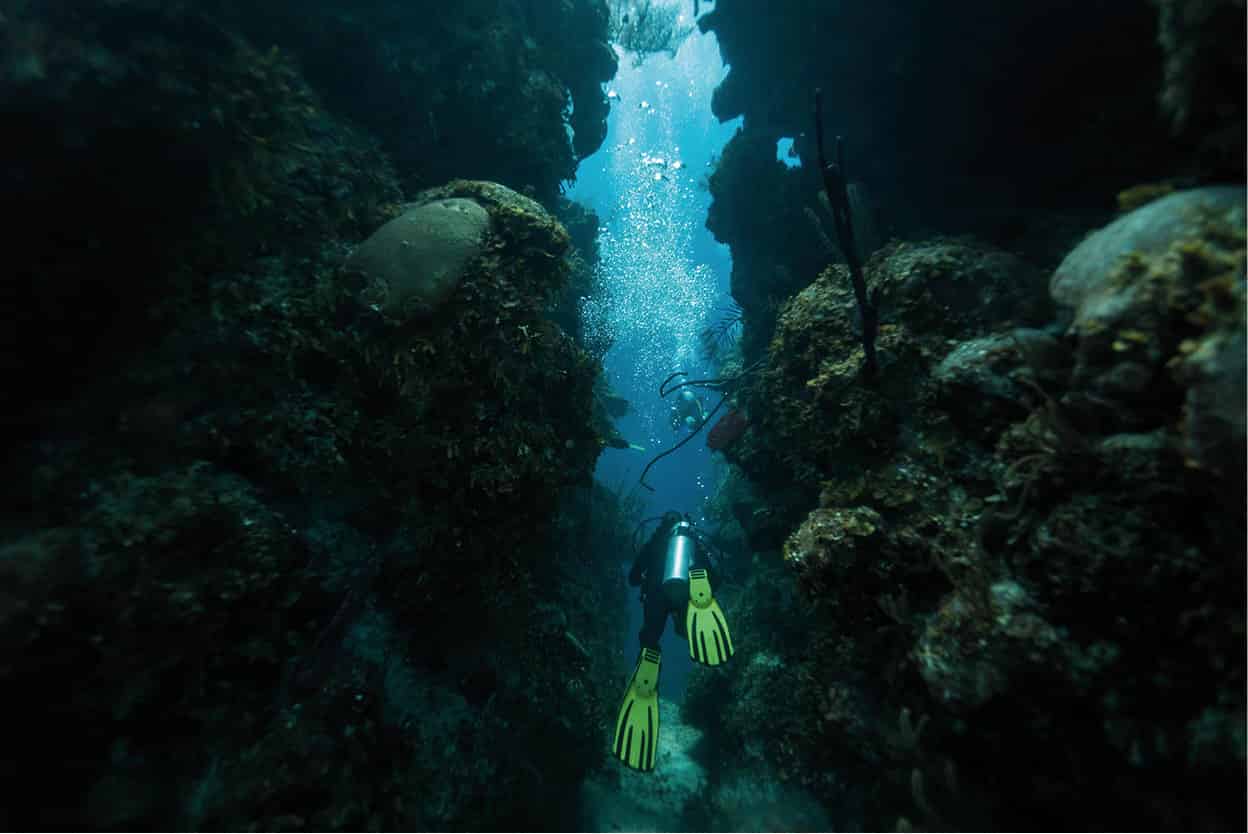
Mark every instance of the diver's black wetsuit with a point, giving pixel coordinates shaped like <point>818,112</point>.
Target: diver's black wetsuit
<point>647,572</point>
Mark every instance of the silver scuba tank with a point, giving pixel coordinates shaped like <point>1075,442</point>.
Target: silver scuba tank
<point>681,547</point>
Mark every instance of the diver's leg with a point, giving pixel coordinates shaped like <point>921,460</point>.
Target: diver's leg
<point>678,622</point>
<point>654,620</point>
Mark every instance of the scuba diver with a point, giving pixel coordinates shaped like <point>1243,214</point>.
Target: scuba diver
<point>672,572</point>
<point>687,411</point>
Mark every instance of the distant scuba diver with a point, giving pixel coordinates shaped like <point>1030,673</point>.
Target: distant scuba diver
<point>672,572</point>
<point>687,411</point>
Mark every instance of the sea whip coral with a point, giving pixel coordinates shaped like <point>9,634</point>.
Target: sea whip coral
<point>836,185</point>
<point>725,385</point>
<point>724,433</point>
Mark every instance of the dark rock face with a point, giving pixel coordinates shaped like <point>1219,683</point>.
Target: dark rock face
<point>959,115</point>
<point>1016,124</point>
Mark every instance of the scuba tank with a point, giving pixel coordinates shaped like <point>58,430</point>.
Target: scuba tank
<point>681,547</point>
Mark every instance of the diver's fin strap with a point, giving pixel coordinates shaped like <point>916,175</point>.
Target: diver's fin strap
<point>710,642</point>
<point>700,588</point>
<point>646,675</point>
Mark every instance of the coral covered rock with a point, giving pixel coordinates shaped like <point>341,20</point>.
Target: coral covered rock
<point>809,400</point>
<point>830,536</point>
<point>974,384</point>
<point>1213,372</point>
<point>1086,280</point>
<point>980,641</point>
<point>1033,523</point>
<point>1157,303</point>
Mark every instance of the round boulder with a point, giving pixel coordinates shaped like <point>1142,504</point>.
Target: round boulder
<point>418,258</point>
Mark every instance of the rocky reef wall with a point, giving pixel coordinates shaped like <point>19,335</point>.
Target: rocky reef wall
<point>291,542</point>
<point>999,584</point>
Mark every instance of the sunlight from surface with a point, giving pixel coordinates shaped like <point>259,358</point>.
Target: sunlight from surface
<point>666,278</point>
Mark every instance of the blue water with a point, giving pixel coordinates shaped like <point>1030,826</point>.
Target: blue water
<point>667,277</point>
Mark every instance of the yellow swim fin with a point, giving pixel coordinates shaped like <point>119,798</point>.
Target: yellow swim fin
<point>709,639</point>
<point>637,727</point>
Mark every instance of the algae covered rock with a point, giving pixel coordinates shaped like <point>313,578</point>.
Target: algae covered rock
<point>813,415</point>
<point>1213,426</point>
<point>524,230</point>
<point>1086,276</point>
<point>417,259</point>
<point>1157,300</point>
